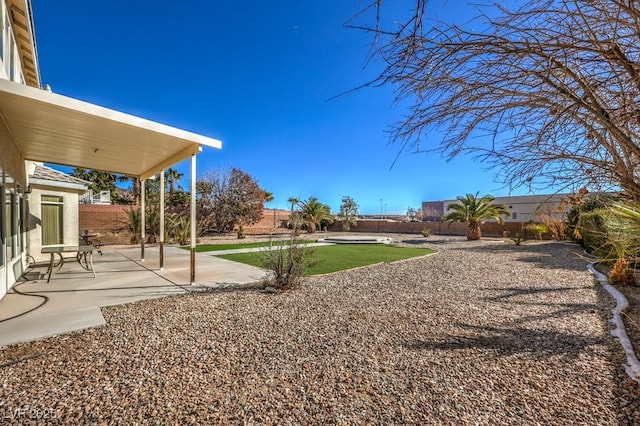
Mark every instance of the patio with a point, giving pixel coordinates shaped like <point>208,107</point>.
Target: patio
<point>71,301</point>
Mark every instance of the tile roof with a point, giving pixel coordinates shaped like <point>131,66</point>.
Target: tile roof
<point>47,173</point>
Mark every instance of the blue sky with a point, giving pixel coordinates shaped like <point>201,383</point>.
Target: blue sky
<point>257,75</point>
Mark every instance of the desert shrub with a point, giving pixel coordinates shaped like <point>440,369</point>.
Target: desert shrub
<point>621,273</point>
<point>591,234</point>
<point>178,228</point>
<point>240,231</point>
<point>152,222</point>
<point>287,263</point>
<point>426,232</point>
<point>134,222</point>
<point>538,229</point>
<point>580,210</point>
<point>518,238</point>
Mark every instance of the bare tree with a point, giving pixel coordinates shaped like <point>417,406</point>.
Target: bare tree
<point>233,197</point>
<point>548,94</point>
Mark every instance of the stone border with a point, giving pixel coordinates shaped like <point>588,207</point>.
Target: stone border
<point>632,367</point>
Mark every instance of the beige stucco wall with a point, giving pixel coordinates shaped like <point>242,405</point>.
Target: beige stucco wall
<point>70,219</point>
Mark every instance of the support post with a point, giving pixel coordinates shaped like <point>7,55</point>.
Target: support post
<point>161,220</point>
<point>143,225</point>
<point>192,206</point>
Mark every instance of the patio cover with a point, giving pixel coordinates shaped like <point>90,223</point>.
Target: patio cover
<point>52,128</point>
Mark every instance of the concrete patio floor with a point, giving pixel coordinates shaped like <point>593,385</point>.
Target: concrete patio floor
<point>35,309</point>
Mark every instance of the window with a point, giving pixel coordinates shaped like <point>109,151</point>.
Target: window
<point>52,230</point>
<point>19,206</point>
<point>514,215</point>
<point>10,230</point>
<point>11,63</point>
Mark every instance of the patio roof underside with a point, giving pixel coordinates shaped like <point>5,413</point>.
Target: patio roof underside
<point>51,128</point>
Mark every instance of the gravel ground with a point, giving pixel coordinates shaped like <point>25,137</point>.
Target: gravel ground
<point>480,333</point>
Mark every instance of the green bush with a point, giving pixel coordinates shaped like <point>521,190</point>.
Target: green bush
<point>134,219</point>
<point>538,229</point>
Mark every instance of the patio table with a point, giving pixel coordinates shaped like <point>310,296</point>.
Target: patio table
<point>84,256</point>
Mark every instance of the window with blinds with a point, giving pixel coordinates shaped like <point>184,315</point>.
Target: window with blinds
<point>52,223</point>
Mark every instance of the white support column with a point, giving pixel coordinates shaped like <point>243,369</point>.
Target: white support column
<point>161,220</point>
<point>142,219</point>
<point>192,277</point>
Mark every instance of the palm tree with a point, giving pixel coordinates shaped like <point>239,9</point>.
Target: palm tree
<point>473,210</point>
<point>268,196</point>
<point>135,187</point>
<point>293,216</point>
<point>314,212</point>
<point>294,201</point>
<point>172,176</point>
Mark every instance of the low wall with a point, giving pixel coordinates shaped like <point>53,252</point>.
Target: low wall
<point>110,223</point>
<point>489,229</point>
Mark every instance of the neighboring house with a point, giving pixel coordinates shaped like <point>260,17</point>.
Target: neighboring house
<point>523,208</point>
<point>53,209</point>
<point>39,126</point>
<point>102,197</point>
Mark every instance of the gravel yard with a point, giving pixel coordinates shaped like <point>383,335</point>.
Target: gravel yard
<point>480,333</point>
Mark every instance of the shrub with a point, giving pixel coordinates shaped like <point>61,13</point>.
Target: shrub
<point>426,232</point>
<point>621,273</point>
<point>537,229</point>
<point>518,239</point>
<point>134,220</point>
<point>240,231</point>
<point>178,228</point>
<point>287,263</point>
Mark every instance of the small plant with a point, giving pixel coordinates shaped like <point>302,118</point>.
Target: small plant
<point>287,262</point>
<point>134,220</point>
<point>426,232</point>
<point>621,273</point>
<point>178,229</point>
<point>518,238</point>
<point>537,229</point>
<point>240,231</point>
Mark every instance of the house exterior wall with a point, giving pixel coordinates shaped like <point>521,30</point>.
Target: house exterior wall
<point>13,174</point>
<point>527,208</point>
<point>432,210</point>
<point>69,214</point>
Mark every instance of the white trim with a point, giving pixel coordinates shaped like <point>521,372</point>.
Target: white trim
<point>632,367</point>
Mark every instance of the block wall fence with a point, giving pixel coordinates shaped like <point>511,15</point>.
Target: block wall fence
<point>110,224</point>
<point>489,229</point>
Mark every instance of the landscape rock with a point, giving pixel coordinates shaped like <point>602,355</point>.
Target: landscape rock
<point>481,333</point>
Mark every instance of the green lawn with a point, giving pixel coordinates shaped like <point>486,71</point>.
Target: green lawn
<point>219,247</point>
<point>343,256</point>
